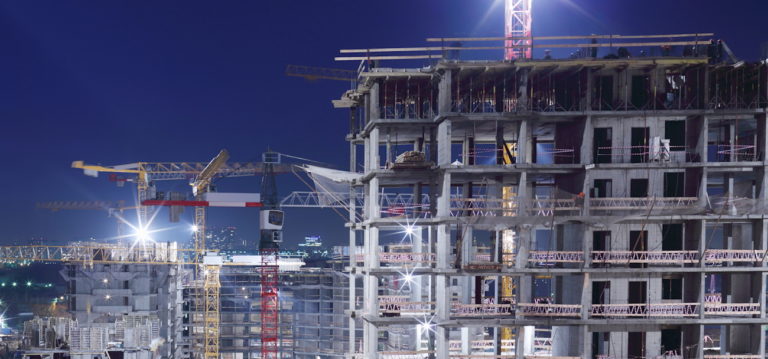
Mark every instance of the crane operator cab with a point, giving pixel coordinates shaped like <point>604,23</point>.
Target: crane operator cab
<point>271,219</point>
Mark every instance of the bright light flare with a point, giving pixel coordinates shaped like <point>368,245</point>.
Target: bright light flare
<point>425,325</point>
<point>193,228</point>
<point>409,231</point>
<point>408,279</point>
<point>142,234</point>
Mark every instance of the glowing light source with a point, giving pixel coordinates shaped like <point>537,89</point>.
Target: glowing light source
<point>29,284</point>
<point>425,325</point>
<point>105,280</point>
<point>407,279</point>
<point>107,297</point>
<point>142,234</point>
<point>193,228</point>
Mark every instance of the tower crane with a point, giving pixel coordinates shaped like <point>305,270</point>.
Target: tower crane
<point>271,220</point>
<point>271,223</point>
<point>144,174</point>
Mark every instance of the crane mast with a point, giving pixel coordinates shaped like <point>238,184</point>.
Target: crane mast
<point>517,29</point>
<point>271,223</point>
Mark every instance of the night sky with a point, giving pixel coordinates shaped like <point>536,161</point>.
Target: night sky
<point>115,82</point>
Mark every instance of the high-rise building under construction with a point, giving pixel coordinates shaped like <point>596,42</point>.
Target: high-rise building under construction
<point>587,207</point>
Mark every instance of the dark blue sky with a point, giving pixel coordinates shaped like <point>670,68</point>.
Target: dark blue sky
<point>115,82</point>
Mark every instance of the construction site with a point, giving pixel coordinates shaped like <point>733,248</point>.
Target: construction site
<point>563,197</point>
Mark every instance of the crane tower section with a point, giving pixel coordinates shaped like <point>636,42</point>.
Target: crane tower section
<point>517,29</point>
<point>271,223</point>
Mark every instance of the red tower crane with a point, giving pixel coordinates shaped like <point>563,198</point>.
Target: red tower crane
<point>517,29</point>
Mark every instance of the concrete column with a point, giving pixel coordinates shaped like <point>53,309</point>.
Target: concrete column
<point>565,339</point>
<point>761,145</point>
<point>522,193</point>
<point>523,247</point>
<point>524,341</point>
<point>373,103</point>
<point>617,344</point>
<point>373,150</point>
<point>586,343</point>
<point>367,158</point>
<point>371,293</point>
<point>388,155</point>
<point>524,142</point>
<point>442,295</point>
<point>761,175</point>
<point>732,141</point>
<point>701,146</point>
<point>586,296</point>
<point>522,89</point>
<point>374,206</point>
<point>444,93</point>
<point>587,98</point>
<point>587,140</point>
<point>444,143</point>
<point>652,344</point>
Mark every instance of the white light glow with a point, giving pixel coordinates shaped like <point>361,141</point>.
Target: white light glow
<point>142,234</point>
<point>107,297</point>
<point>193,228</point>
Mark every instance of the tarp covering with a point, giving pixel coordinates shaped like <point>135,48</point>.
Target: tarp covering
<point>332,186</point>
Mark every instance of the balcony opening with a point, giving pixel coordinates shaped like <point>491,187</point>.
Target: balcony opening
<point>638,187</point>
<point>640,91</point>
<point>672,288</point>
<point>638,242</point>
<point>603,93</point>
<point>601,292</point>
<point>568,142</point>
<point>601,242</point>
<point>636,345</point>
<point>672,237</point>
<point>603,188</point>
<point>600,344</point>
<point>674,184</point>
<point>637,293</point>
<point>640,139</point>
<point>671,341</point>
<point>602,144</point>
<point>674,131</point>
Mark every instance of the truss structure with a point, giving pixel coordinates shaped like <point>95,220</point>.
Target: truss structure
<point>517,29</point>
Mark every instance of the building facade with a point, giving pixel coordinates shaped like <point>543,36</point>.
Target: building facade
<point>577,208</point>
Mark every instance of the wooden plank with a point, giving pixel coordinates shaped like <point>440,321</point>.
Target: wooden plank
<point>543,38</point>
<point>413,57</point>
<point>537,46</point>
